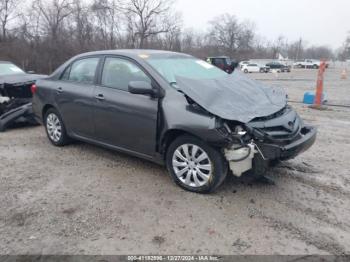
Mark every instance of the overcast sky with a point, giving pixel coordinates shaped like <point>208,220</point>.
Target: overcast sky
<point>319,22</point>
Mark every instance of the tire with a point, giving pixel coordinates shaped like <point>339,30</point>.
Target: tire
<point>315,66</point>
<point>246,71</point>
<point>214,165</point>
<point>55,129</point>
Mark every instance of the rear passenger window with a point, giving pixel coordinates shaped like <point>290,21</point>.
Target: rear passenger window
<point>84,70</point>
<point>118,73</point>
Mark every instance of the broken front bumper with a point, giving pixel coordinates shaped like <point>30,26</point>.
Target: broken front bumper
<point>25,111</point>
<point>273,151</point>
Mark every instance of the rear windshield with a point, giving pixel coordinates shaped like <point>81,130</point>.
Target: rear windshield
<point>10,69</point>
<point>189,67</point>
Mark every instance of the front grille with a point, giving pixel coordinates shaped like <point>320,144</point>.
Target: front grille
<point>283,126</point>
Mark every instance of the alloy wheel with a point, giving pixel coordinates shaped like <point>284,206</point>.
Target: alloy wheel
<point>54,127</point>
<point>192,165</point>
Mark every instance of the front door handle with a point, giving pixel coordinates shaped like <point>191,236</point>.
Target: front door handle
<point>100,97</point>
<point>59,90</point>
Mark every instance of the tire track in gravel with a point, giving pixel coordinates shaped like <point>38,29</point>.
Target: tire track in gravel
<point>321,241</point>
<point>295,175</point>
<point>317,214</point>
<point>310,209</point>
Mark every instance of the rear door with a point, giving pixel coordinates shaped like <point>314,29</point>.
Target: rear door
<point>255,68</point>
<point>74,96</point>
<point>122,119</point>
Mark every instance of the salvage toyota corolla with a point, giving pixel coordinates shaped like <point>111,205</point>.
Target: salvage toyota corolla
<point>171,108</point>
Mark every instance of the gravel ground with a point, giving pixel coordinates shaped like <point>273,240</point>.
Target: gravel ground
<point>82,199</point>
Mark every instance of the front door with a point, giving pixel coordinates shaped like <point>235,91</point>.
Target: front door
<point>122,119</point>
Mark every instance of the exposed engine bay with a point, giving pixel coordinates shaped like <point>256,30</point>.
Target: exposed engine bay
<point>263,140</point>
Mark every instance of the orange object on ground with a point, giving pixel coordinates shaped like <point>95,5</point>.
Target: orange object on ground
<point>319,87</point>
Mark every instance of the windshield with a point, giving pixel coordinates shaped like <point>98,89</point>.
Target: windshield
<point>189,67</point>
<point>10,69</point>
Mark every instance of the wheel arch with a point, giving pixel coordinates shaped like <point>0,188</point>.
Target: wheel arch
<point>169,136</point>
<point>45,109</point>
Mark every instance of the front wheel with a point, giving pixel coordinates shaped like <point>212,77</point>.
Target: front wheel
<point>194,165</point>
<point>246,71</point>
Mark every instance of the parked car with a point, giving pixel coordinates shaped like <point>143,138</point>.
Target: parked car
<point>308,63</point>
<point>281,68</point>
<point>172,109</point>
<point>243,63</point>
<point>264,69</point>
<point>15,95</point>
<point>250,68</point>
<point>223,62</point>
<point>254,68</point>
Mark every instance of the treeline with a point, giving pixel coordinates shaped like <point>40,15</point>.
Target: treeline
<point>41,34</point>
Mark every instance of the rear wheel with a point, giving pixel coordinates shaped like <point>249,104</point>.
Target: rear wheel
<point>194,165</point>
<point>55,129</point>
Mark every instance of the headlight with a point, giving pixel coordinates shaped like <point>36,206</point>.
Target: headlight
<point>239,130</point>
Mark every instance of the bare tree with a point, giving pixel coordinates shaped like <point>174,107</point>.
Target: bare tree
<point>107,15</point>
<point>279,46</point>
<point>230,35</point>
<point>344,51</point>
<point>7,13</point>
<point>148,18</point>
<point>81,27</point>
<point>52,15</point>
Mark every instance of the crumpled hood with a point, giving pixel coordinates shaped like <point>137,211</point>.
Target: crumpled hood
<point>234,97</point>
<point>19,78</point>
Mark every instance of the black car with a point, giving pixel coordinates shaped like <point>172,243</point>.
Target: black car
<point>279,66</point>
<point>223,62</point>
<point>171,108</point>
<point>15,95</point>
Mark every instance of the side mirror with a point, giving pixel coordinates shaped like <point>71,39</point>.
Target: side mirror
<point>141,88</point>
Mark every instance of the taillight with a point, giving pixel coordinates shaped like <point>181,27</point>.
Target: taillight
<point>33,88</point>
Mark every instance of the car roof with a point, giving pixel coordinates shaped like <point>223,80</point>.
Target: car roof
<point>132,52</point>
<point>5,62</point>
<point>218,57</point>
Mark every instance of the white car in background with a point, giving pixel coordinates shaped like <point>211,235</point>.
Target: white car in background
<point>243,63</point>
<point>308,63</point>
<point>251,68</point>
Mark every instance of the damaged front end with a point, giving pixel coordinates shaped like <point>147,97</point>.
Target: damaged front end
<point>265,140</point>
<point>15,104</point>
<point>255,119</point>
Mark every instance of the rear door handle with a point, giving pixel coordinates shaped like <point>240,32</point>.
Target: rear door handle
<point>59,90</point>
<point>100,97</point>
